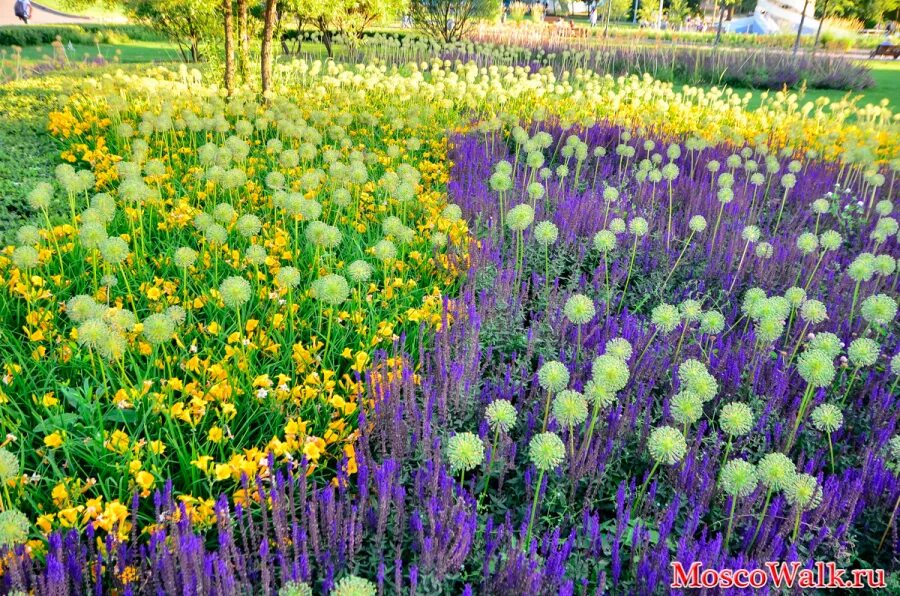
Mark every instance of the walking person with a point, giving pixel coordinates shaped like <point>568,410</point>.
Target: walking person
<point>22,9</point>
<point>593,14</point>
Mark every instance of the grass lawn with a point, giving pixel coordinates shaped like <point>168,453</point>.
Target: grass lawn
<point>96,10</point>
<point>128,53</point>
<point>887,86</point>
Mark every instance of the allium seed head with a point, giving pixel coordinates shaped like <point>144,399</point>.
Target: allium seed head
<point>666,445</point>
<point>546,451</point>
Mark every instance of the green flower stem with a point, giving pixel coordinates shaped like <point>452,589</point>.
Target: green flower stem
<point>727,450</point>
<point>796,526</point>
<point>816,268</point>
<point>534,504</point>
<point>487,474</point>
<point>780,212</point>
<point>831,452</point>
<point>730,520</point>
<point>677,261</point>
<point>799,341</point>
<point>644,351</point>
<point>546,411</point>
<point>762,515</point>
<point>715,233</point>
<point>628,277</point>
<point>853,304</point>
<point>640,496</point>
<point>807,395</point>
<point>849,385</point>
<point>889,524</point>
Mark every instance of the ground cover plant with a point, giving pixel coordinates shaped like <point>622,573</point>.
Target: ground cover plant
<point>448,326</point>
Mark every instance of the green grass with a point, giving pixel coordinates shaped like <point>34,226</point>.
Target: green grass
<point>128,53</point>
<point>887,86</point>
<point>97,10</point>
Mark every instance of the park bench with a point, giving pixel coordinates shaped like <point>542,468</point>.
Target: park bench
<point>566,27</point>
<point>886,50</point>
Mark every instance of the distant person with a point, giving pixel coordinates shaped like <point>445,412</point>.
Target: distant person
<point>593,14</point>
<point>22,9</point>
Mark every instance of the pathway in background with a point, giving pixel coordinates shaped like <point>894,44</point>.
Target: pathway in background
<point>39,16</point>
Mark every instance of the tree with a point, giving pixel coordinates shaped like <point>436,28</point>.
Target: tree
<point>800,26</point>
<point>447,20</point>
<point>648,12</point>
<point>726,4</point>
<point>678,12</point>
<point>266,51</point>
<point>189,23</point>
<point>243,39</point>
<point>229,45</point>
<point>349,18</point>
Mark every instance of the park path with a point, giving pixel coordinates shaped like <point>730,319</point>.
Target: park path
<point>39,16</point>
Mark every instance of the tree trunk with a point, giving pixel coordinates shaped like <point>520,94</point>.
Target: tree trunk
<point>800,27</point>
<point>229,46</point>
<point>243,39</point>
<point>719,28</point>
<point>819,30</point>
<point>608,15</point>
<point>266,53</point>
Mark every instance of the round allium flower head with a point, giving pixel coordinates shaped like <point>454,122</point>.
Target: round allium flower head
<point>536,191</point>
<point>385,251</point>
<point>519,217</point>
<point>769,329</point>
<point>697,224</point>
<point>546,233</point>
<point>690,310</point>
<point>884,207</point>
<point>28,235</point>
<point>803,492</point>
<point>83,307</point>
<point>788,181</point>
<point>184,257</point>
<point>176,313</point>
<point>223,213</point>
<point>826,342</point>
<point>620,348</point>
<point>158,329</point>
<point>114,250</point>
<point>500,182</point>
<point>332,289</point>
<point>667,445</point>
<point>248,225</point>
<point>617,225</point>
<point>92,333</point>
<point>9,466</point>
<point>13,527</point>
<point>816,368</point>
<point>862,268</point>
<point>452,212</point>
<point>500,415</point>
<point>807,242</point>
<point>813,312</point>
<point>750,234</point>
<point>830,240</point>
<point>666,318</point>
<point>686,407</point>
<point>736,419</point>
<point>216,234</point>
<point>795,296</point>
<point>579,309</point>
<point>255,255</point>
<point>465,451</point>
<point>764,250</point>
<point>610,373</point>
<point>288,277</point>
<point>879,309</point>
<point>235,291</point>
<point>546,451</point>
<point>776,471</point>
<point>26,257</point>
<point>863,352</point>
<point>827,418</point>
<point>553,376</point>
<point>820,206</point>
<point>40,196</point>
<point>695,378</point>
<point>712,322</point>
<point>352,585</point>
<point>638,226</point>
<point>885,265</point>
<point>570,408</point>
<point>738,478</point>
<point>752,298</point>
<point>295,589</point>
<point>604,241</point>
<point>610,194</point>
<point>595,392</point>
<point>359,271</point>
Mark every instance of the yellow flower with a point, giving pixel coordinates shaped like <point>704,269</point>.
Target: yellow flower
<point>202,462</point>
<point>145,480</point>
<point>49,400</point>
<point>222,472</point>
<point>59,494</point>
<point>313,448</point>
<point>54,440</point>
<point>157,447</point>
<point>215,434</point>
